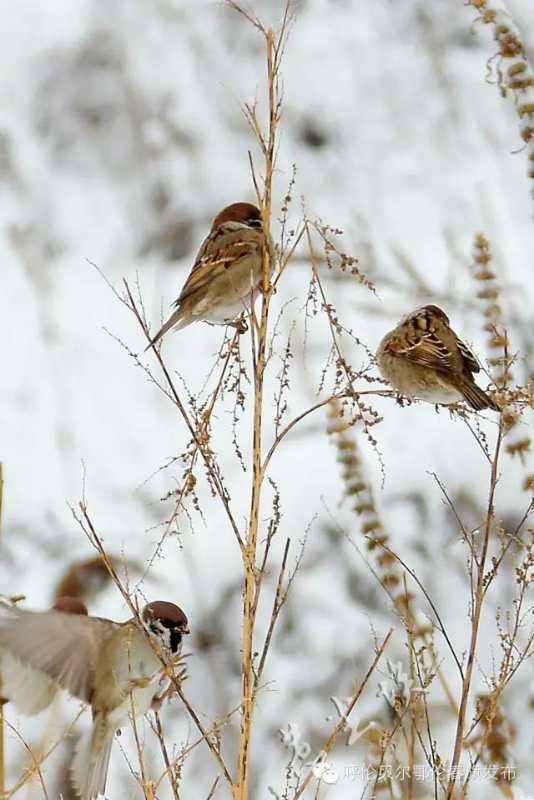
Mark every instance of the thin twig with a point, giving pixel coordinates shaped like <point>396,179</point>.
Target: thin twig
<point>330,742</point>
<point>170,769</point>
<point>279,600</point>
<point>208,458</point>
<point>428,598</point>
<point>36,766</point>
<point>475,623</point>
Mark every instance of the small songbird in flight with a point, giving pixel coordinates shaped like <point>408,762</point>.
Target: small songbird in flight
<point>116,667</point>
<point>227,271</point>
<point>423,358</point>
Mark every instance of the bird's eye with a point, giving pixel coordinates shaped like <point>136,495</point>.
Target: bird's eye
<point>254,222</point>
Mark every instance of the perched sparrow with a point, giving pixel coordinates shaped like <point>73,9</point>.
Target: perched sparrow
<point>422,357</point>
<point>113,666</point>
<point>226,273</point>
<point>29,690</point>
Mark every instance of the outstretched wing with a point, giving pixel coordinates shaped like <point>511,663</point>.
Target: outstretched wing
<point>63,646</point>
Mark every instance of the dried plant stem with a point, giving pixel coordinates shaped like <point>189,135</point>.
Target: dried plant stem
<point>213,732</point>
<point>332,739</point>
<point>213,788</point>
<point>205,734</point>
<point>170,769</point>
<point>476,616</point>
<point>278,602</point>
<point>274,44</point>
<point>251,583</point>
<point>321,404</point>
<point>36,763</point>
<point>149,795</point>
<point>195,435</point>
<point>189,475</point>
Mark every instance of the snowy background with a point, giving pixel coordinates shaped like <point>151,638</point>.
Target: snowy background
<point>121,135</point>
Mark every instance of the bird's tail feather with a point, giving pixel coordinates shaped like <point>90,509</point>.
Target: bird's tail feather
<point>477,397</point>
<point>176,320</point>
<point>91,761</point>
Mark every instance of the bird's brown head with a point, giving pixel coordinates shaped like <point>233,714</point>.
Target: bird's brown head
<point>244,213</point>
<point>167,621</point>
<point>70,605</point>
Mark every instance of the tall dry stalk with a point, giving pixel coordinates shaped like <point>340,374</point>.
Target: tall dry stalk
<point>476,614</point>
<point>274,44</point>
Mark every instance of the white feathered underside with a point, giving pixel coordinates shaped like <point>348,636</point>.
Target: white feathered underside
<point>63,646</point>
<point>29,690</point>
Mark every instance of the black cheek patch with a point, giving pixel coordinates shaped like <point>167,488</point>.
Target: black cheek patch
<point>176,639</point>
<point>174,634</point>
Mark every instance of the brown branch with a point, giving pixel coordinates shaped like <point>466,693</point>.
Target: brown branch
<point>279,600</point>
<point>429,600</point>
<point>321,404</point>
<point>205,734</point>
<point>193,456</point>
<point>475,623</point>
<point>36,766</point>
<point>169,767</point>
<point>330,742</point>
<point>208,460</point>
<point>259,338</point>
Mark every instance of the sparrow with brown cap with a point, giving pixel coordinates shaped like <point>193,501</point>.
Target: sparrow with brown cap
<point>227,271</point>
<point>423,358</point>
<point>116,667</point>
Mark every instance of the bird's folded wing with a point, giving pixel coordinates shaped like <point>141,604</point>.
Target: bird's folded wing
<point>213,264</point>
<point>470,360</point>
<point>424,348</point>
<point>63,646</point>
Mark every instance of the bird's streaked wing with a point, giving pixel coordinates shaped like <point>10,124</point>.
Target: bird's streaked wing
<point>213,264</point>
<point>469,359</point>
<point>63,646</point>
<point>423,348</point>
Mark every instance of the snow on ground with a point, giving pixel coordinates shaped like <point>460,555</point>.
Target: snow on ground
<point>121,136</point>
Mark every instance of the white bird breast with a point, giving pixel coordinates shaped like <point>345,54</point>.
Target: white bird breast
<point>137,664</point>
<point>30,691</point>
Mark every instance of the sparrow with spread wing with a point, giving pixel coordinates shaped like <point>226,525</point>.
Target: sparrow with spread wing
<point>423,358</point>
<point>113,666</point>
<point>227,271</point>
